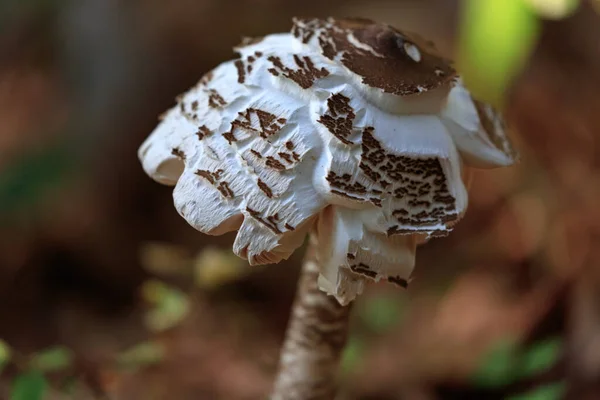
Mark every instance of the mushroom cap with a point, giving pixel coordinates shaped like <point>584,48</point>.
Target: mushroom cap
<point>478,130</point>
<point>293,136</point>
<point>397,62</point>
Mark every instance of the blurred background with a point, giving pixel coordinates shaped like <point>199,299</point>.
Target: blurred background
<point>106,293</point>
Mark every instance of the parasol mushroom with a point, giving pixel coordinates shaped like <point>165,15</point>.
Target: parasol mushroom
<point>346,129</point>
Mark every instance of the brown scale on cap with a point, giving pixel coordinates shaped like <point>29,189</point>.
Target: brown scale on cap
<point>344,184</point>
<point>203,132</point>
<point>254,122</point>
<point>265,188</point>
<point>215,100</point>
<point>397,62</point>
<point>274,163</point>
<point>375,201</point>
<point>241,70</point>
<point>272,221</point>
<point>271,161</point>
<point>256,153</point>
<point>230,137</point>
<point>246,66</point>
<point>306,74</point>
<point>363,269</point>
<point>493,125</point>
<point>215,179</point>
<point>305,29</point>
<point>418,183</point>
<point>403,283</point>
<point>339,118</point>
<point>178,153</point>
<point>346,195</point>
<point>268,222</point>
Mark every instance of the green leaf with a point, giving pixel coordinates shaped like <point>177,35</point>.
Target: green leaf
<point>496,39</point>
<point>380,313</point>
<point>29,386</point>
<point>52,359</point>
<point>5,354</point>
<point>215,267</point>
<point>497,368</point>
<point>171,305</point>
<point>540,357</point>
<point>142,354</point>
<point>353,354</point>
<point>554,391</point>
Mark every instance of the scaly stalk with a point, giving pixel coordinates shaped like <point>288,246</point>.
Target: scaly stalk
<point>315,338</point>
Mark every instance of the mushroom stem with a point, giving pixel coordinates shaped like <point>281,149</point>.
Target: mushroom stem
<point>315,338</point>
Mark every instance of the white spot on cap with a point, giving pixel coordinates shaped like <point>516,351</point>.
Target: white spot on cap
<point>360,45</point>
<point>412,51</point>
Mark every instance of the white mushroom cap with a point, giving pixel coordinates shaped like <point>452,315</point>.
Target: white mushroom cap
<point>478,130</point>
<point>349,126</point>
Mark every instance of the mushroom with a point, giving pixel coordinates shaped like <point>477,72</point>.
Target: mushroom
<point>353,125</point>
<point>345,128</point>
